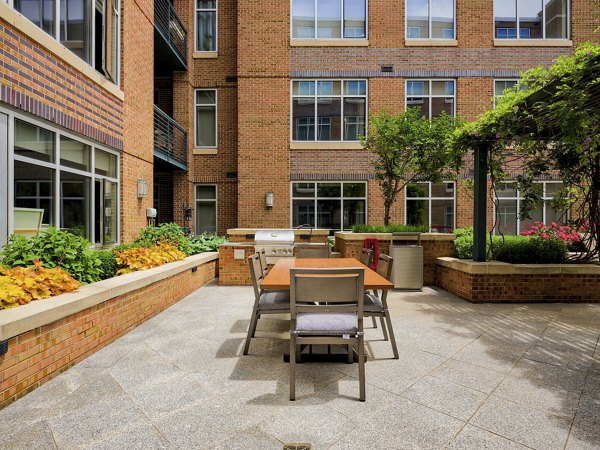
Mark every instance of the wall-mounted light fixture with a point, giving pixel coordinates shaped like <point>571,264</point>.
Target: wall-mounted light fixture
<point>269,199</point>
<point>187,213</point>
<point>142,188</point>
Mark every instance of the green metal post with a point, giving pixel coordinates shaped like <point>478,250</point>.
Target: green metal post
<point>480,206</point>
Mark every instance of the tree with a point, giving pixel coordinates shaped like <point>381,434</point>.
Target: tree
<point>410,148</point>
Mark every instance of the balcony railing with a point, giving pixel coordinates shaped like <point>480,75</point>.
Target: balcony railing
<point>172,31</point>
<point>170,140</point>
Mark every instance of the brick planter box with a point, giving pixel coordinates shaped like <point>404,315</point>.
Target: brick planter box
<point>435,245</point>
<point>493,281</point>
<point>46,337</point>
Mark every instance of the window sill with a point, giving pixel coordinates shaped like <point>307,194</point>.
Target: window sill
<point>325,145</point>
<point>329,42</point>
<point>430,42</point>
<point>205,151</point>
<point>533,43</point>
<point>35,33</point>
<point>205,55</point>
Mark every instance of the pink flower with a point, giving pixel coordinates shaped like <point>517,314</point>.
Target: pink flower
<point>545,236</point>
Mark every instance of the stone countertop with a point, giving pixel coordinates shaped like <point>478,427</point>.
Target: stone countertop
<point>237,244</point>
<point>350,236</point>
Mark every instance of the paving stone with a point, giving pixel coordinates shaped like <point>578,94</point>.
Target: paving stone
<point>249,439</point>
<point>533,428</point>
<point>585,433</point>
<point>550,375</point>
<point>37,434</point>
<point>138,436</point>
<point>475,438</point>
<point>569,358</point>
<point>491,355</point>
<point>469,375</point>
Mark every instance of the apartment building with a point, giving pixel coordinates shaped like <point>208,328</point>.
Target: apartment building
<point>224,113</point>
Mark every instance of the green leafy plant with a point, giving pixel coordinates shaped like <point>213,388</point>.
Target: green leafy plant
<point>108,263</point>
<point>390,228</point>
<point>206,243</point>
<point>55,248</point>
<point>166,233</point>
<point>461,232</point>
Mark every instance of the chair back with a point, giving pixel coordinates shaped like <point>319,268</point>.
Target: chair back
<point>263,262</point>
<point>313,251</point>
<point>384,266</point>
<point>339,290</point>
<point>366,256</point>
<point>256,273</point>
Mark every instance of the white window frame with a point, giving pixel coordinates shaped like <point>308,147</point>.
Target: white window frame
<point>216,105</point>
<point>406,36</point>
<point>216,37</point>
<point>316,198</point>
<point>57,168</point>
<point>205,200</point>
<point>316,21</point>
<point>497,97</point>
<point>518,200</point>
<point>316,96</point>
<point>430,95</point>
<point>518,26</point>
<point>429,199</point>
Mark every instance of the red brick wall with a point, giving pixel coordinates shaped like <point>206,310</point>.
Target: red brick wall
<point>234,272</point>
<point>40,354</point>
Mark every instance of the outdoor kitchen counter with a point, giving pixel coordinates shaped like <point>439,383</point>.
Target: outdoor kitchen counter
<point>304,235</point>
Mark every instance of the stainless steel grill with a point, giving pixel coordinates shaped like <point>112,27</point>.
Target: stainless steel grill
<point>276,244</point>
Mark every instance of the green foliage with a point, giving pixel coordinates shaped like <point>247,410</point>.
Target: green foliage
<point>142,258</point>
<point>409,148</point>
<point>206,243</point>
<point>108,263</point>
<point>461,232</point>
<point>55,248</point>
<point>166,233</point>
<point>390,228</point>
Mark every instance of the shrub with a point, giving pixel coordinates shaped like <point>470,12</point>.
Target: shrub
<point>391,228</point>
<point>141,258</point>
<point>20,285</point>
<point>166,233</point>
<point>206,243</point>
<point>55,248</point>
<point>462,232</point>
<point>530,250</point>
<point>108,263</point>
<point>564,233</point>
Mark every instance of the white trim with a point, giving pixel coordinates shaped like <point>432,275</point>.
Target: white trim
<point>206,200</point>
<point>562,42</point>
<point>443,41</point>
<point>216,37</point>
<point>4,120</point>
<point>429,199</point>
<point>196,105</point>
<point>299,41</point>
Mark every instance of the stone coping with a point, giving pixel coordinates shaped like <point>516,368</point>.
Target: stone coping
<point>350,236</point>
<point>237,244</point>
<point>502,268</point>
<point>302,232</point>
<point>42,312</point>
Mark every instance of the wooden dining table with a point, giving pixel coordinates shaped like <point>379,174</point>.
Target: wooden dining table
<point>278,277</point>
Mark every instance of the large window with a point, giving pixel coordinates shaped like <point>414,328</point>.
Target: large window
<point>73,182</point>
<point>502,85</point>
<point>328,110</point>
<point>89,28</point>
<point>508,205</point>
<point>430,19</point>
<point>206,208</point>
<point>431,205</point>
<point>206,25</point>
<point>329,19</point>
<point>531,19</point>
<point>333,205</point>
<point>431,97</point>
<point>206,118</point>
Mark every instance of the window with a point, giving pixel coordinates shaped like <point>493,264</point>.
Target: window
<point>430,19</point>
<point>531,19</point>
<point>508,205</point>
<point>431,205</point>
<point>431,97</point>
<point>206,208</point>
<point>329,19</point>
<point>206,25</point>
<point>333,205</point>
<point>73,181</point>
<point>337,108</point>
<point>206,118</point>
<point>502,85</point>
<point>90,29</point>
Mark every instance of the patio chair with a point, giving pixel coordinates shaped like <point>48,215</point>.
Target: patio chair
<point>271,302</point>
<point>313,251</point>
<point>336,318</point>
<point>366,256</point>
<point>376,304</point>
<point>263,262</point>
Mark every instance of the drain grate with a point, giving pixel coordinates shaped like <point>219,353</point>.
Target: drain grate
<point>297,447</point>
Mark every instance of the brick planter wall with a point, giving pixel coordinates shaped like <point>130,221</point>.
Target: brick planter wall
<point>47,349</point>
<point>502,282</point>
<point>434,246</point>
<point>234,272</point>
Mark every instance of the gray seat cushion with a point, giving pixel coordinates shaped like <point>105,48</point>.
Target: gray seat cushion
<point>373,303</point>
<point>274,300</point>
<point>330,324</point>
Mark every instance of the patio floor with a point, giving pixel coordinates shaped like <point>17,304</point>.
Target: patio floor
<point>469,376</point>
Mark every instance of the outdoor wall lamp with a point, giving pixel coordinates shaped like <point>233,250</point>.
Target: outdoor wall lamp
<point>269,199</point>
<point>142,188</point>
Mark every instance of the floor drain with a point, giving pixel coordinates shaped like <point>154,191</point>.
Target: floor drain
<point>297,447</point>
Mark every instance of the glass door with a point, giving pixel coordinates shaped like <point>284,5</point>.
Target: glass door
<point>3,180</point>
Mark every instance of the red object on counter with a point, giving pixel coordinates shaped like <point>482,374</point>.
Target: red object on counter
<point>373,244</point>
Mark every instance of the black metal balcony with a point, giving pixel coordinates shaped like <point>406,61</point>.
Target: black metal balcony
<point>170,140</point>
<point>170,38</point>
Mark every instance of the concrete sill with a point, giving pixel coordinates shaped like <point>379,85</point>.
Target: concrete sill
<point>205,151</point>
<point>430,42</point>
<point>325,145</point>
<point>350,236</point>
<point>329,42</point>
<point>502,268</point>
<point>205,55</point>
<point>533,43</point>
<point>42,312</point>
